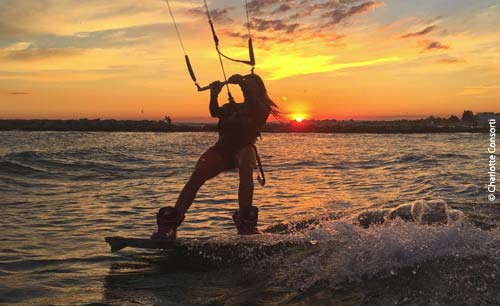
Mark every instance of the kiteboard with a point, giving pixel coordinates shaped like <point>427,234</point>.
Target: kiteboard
<point>117,243</point>
<point>275,237</point>
<point>262,241</point>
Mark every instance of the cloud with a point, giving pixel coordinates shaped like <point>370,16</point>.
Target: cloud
<point>106,32</point>
<point>33,54</point>
<point>433,45</point>
<point>423,32</point>
<point>285,65</point>
<point>339,14</point>
<point>8,31</point>
<point>435,19</point>
<point>322,14</point>
<point>65,75</point>
<point>18,17</point>
<point>118,37</point>
<point>258,6</point>
<point>220,15</point>
<point>107,24</point>
<point>122,8</point>
<point>67,17</point>
<point>450,60</point>
<point>263,25</point>
<point>477,90</point>
<point>17,93</point>
<point>22,45</point>
<point>107,39</point>
<point>282,8</point>
<point>305,20</point>
<point>258,37</point>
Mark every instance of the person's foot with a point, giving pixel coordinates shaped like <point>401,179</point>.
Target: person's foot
<point>246,220</point>
<point>168,220</point>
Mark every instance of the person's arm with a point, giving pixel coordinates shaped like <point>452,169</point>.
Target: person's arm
<point>214,106</point>
<point>215,89</point>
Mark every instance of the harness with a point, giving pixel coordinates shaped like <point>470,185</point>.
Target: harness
<point>249,130</point>
<point>261,178</point>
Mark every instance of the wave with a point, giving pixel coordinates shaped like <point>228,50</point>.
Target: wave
<point>17,168</point>
<point>428,159</point>
<point>469,190</point>
<point>24,155</point>
<point>34,264</point>
<point>302,164</point>
<point>415,158</point>
<point>98,154</point>
<point>81,164</point>
<point>453,155</point>
<point>80,154</point>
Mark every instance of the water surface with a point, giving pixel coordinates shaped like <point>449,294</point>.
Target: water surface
<point>62,193</point>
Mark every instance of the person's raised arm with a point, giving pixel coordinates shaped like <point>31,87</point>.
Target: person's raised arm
<point>215,88</point>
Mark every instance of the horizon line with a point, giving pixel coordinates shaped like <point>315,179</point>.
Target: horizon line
<point>205,120</point>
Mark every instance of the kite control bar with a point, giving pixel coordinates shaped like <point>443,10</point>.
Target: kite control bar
<point>208,86</point>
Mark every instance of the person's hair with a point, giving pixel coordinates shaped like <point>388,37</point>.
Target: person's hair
<point>258,94</point>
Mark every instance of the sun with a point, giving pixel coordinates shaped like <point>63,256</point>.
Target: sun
<point>299,118</point>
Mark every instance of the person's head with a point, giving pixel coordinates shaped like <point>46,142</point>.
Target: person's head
<point>254,91</point>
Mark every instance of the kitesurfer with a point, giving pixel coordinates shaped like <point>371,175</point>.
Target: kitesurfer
<point>239,126</point>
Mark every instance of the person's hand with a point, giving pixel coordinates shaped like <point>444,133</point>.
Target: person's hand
<point>215,88</point>
<point>235,79</point>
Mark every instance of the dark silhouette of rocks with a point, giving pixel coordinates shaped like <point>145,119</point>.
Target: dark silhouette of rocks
<point>98,125</point>
<point>428,125</point>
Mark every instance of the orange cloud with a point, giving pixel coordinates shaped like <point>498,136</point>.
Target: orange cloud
<point>287,65</point>
<point>423,32</point>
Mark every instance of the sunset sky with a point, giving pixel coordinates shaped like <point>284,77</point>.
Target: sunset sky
<point>338,59</point>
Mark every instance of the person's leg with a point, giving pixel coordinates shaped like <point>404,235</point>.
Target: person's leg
<point>208,166</point>
<point>169,218</point>
<point>246,217</point>
<point>245,160</point>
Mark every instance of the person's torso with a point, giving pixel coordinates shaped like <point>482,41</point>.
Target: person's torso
<point>237,126</point>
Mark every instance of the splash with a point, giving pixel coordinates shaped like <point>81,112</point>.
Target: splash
<point>345,252</point>
<point>421,212</point>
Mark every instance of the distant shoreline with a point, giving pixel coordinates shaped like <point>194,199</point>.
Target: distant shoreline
<point>313,126</point>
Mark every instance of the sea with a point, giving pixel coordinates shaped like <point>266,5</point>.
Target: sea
<point>62,193</point>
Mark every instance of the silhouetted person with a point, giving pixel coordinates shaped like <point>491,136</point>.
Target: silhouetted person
<point>239,126</point>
